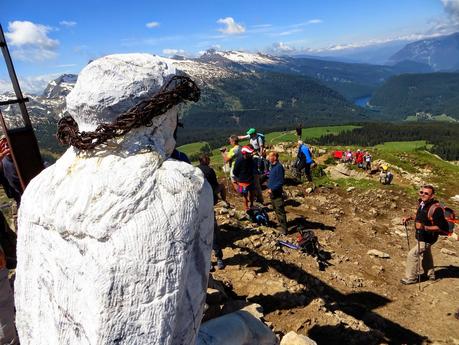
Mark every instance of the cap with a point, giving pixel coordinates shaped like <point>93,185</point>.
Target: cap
<point>247,150</point>
<point>251,131</point>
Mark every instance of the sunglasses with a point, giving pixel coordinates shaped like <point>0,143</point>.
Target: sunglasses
<point>424,193</point>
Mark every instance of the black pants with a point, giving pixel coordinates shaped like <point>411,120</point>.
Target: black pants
<point>216,242</point>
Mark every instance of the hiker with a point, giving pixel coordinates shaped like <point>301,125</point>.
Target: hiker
<point>367,160</point>
<point>385,177</point>
<point>359,158</point>
<point>257,140</point>
<point>427,225</point>
<point>275,190</point>
<point>8,174</point>
<point>348,156</point>
<point>244,170</point>
<point>8,333</point>
<point>305,161</point>
<point>230,157</point>
<point>258,175</point>
<point>180,156</point>
<point>211,177</point>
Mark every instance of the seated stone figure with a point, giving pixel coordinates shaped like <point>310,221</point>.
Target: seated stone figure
<point>114,243</point>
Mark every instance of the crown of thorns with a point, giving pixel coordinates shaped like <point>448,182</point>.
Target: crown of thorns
<point>177,90</point>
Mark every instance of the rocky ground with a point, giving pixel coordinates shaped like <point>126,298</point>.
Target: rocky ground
<point>358,299</point>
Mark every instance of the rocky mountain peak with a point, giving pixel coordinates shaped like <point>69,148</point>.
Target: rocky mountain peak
<point>61,86</point>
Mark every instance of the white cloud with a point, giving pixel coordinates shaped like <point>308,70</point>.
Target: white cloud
<point>31,85</point>
<point>152,25</point>
<point>68,23</point>
<point>315,21</point>
<point>451,7</point>
<point>261,26</point>
<point>170,52</point>
<point>30,41</point>
<point>288,32</point>
<point>231,27</point>
<point>281,47</point>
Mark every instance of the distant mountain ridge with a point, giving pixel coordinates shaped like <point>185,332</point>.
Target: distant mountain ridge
<point>241,89</point>
<point>440,53</point>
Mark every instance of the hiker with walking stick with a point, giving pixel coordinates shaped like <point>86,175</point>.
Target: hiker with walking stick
<point>430,222</point>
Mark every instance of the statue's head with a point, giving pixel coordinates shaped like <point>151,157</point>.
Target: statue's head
<point>113,84</point>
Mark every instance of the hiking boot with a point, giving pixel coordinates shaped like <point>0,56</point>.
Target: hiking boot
<point>408,281</point>
<point>432,277</point>
<point>220,264</point>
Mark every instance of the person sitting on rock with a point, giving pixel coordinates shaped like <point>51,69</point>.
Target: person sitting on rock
<point>244,171</point>
<point>275,190</point>
<point>427,231</point>
<point>385,177</point>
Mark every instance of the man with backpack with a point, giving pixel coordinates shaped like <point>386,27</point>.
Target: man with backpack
<point>257,140</point>
<point>304,160</point>
<point>244,171</point>
<point>275,190</point>
<point>430,222</point>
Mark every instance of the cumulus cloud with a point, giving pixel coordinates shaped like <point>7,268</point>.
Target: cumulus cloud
<point>231,27</point>
<point>451,8</point>
<point>282,48</point>
<point>152,25</point>
<point>68,23</point>
<point>30,41</point>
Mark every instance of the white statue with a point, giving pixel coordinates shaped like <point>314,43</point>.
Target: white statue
<point>114,243</point>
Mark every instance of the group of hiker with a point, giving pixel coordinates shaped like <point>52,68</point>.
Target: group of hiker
<point>251,165</point>
<point>360,158</point>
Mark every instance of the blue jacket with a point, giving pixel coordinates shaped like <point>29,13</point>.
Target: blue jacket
<point>305,149</point>
<point>276,177</point>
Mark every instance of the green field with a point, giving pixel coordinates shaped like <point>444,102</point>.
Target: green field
<point>307,133</point>
<point>192,148</point>
<point>402,146</point>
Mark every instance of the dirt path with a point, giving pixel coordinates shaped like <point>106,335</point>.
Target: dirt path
<point>356,300</point>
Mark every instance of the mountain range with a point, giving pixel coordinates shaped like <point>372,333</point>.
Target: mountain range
<point>241,90</point>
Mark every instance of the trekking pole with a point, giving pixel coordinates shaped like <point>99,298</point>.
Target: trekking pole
<point>407,236</point>
<point>419,265</point>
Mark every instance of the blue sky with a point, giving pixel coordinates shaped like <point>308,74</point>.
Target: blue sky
<point>48,38</point>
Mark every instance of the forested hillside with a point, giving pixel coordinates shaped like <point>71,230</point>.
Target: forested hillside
<point>266,100</point>
<point>408,94</point>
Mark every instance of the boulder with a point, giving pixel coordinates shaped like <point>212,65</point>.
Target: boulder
<point>238,328</point>
<point>114,243</point>
<point>378,253</point>
<point>448,252</point>
<point>291,338</point>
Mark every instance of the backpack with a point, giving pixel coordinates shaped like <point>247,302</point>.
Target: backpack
<point>259,216</point>
<point>261,139</point>
<point>449,214</point>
